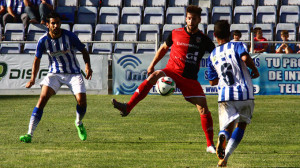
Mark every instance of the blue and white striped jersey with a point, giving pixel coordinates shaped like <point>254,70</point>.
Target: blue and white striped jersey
<point>61,52</point>
<point>38,2</point>
<point>226,64</point>
<point>17,6</point>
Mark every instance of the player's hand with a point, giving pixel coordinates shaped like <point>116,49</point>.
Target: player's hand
<point>29,84</point>
<point>150,70</point>
<point>254,73</point>
<point>89,72</point>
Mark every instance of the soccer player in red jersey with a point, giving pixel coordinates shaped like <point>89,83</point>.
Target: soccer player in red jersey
<point>189,45</point>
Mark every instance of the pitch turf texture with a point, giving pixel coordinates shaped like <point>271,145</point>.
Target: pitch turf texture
<point>160,132</point>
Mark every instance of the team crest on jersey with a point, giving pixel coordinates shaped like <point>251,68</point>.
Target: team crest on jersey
<point>198,39</point>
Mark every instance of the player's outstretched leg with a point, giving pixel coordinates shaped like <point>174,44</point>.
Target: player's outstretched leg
<point>35,118</point>
<point>80,112</point>
<point>122,107</point>
<point>140,93</point>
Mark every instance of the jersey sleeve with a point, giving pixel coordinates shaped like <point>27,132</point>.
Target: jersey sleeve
<point>241,49</point>
<point>40,49</point>
<point>211,72</point>
<point>75,41</point>
<point>210,46</point>
<point>169,40</point>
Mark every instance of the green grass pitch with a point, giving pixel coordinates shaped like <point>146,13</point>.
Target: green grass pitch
<point>159,132</point>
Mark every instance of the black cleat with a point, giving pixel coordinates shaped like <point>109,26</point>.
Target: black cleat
<point>122,107</point>
<point>221,146</point>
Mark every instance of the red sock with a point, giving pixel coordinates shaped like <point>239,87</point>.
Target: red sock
<point>139,94</point>
<point>207,126</point>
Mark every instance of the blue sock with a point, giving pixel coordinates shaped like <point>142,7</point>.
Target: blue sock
<point>80,112</point>
<point>226,133</point>
<point>234,141</point>
<point>35,119</point>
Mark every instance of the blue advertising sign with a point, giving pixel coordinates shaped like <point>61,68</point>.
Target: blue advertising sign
<point>279,73</point>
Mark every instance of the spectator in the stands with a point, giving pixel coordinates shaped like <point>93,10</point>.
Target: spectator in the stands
<point>286,48</point>
<point>38,10</point>
<point>15,13</point>
<point>2,10</point>
<point>259,47</point>
<point>236,35</point>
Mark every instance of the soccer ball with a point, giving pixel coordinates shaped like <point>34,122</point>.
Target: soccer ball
<point>165,86</point>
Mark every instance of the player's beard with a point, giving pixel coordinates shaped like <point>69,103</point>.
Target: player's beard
<point>192,28</point>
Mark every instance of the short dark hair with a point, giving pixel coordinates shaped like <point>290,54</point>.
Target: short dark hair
<point>194,10</point>
<point>237,33</point>
<point>256,29</point>
<point>52,15</point>
<point>222,29</point>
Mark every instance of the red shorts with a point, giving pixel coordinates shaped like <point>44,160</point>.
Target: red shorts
<point>189,87</point>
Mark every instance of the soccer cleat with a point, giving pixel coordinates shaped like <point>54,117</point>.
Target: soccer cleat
<point>221,146</point>
<point>25,138</point>
<point>81,131</point>
<point>211,149</point>
<point>222,163</point>
<point>122,107</point>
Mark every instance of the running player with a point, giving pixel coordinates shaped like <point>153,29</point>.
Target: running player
<point>63,69</point>
<point>227,67</point>
<point>188,47</point>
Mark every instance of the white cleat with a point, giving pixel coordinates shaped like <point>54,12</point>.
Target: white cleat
<point>211,149</point>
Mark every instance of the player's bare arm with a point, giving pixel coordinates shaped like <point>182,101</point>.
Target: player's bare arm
<point>214,82</point>
<point>158,56</point>
<point>88,69</point>
<point>249,62</point>
<point>35,69</point>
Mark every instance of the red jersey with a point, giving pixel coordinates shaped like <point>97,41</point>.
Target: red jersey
<point>187,51</point>
<point>260,46</point>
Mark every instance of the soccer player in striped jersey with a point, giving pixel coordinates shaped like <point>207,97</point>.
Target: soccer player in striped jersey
<point>64,69</point>
<point>188,47</point>
<point>227,68</point>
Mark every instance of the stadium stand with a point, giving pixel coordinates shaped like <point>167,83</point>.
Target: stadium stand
<point>268,3</point>
<point>104,32</point>
<point>223,3</point>
<point>127,32</point>
<point>73,3</point>
<point>134,3</point>
<point>145,48</point>
<point>210,32</point>
<point>290,2</point>
<point>109,15</point>
<point>246,3</point>
<point>131,15</point>
<point>177,3</point>
<point>205,16</point>
<point>148,32</point>
<point>84,33</point>
<point>87,15</point>
<point>95,3</point>
<point>65,26</point>
<point>266,14</point>
<point>201,27</point>
<point>156,3</point>
<point>67,14</point>
<point>154,15</point>
<point>13,32</point>
<point>35,31</point>
<point>221,13</point>
<point>175,15</point>
<point>112,3</point>
<point>243,14</point>
<point>243,28</point>
<point>289,14</point>
<point>124,48</point>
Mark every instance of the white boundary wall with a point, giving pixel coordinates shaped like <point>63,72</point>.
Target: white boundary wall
<point>15,72</point>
